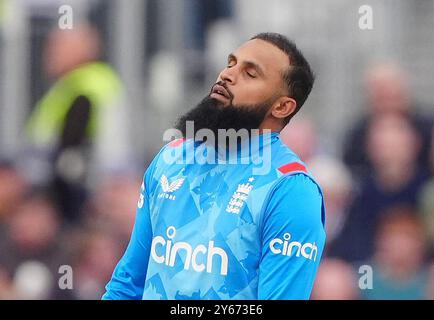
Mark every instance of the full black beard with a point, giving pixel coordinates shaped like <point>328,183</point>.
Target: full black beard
<point>211,114</point>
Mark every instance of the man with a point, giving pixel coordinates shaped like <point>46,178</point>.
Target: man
<point>220,230</point>
<point>67,129</point>
<point>387,91</point>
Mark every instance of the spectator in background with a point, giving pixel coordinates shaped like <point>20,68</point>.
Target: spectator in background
<point>95,254</point>
<point>387,93</point>
<point>332,174</point>
<point>70,121</point>
<point>96,245</point>
<point>393,147</point>
<point>301,137</point>
<point>12,188</point>
<point>336,280</point>
<point>337,186</point>
<point>113,206</point>
<point>399,269</point>
<point>31,248</point>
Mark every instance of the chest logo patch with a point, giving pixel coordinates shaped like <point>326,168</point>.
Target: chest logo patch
<point>239,197</point>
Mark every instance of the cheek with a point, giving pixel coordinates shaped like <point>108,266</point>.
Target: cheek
<point>249,94</point>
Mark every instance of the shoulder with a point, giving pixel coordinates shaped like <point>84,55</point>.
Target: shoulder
<point>284,159</point>
<point>297,187</point>
<point>293,182</point>
<point>297,197</point>
<point>290,168</point>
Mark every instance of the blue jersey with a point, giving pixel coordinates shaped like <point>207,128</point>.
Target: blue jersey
<point>223,230</point>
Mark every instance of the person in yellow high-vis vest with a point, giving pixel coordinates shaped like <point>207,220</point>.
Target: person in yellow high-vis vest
<point>65,123</point>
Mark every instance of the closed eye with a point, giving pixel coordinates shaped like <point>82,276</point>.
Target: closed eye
<point>250,74</point>
<point>232,61</point>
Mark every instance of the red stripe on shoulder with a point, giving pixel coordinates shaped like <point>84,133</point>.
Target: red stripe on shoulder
<point>177,142</point>
<point>293,166</point>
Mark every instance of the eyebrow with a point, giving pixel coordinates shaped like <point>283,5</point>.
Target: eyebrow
<point>258,68</point>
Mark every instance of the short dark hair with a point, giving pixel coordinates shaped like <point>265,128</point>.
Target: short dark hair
<point>299,77</point>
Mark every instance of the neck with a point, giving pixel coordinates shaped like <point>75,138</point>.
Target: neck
<point>271,124</point>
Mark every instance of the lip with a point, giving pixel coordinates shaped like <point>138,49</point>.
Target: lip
<point>220,98</point>
<point>220,91</point>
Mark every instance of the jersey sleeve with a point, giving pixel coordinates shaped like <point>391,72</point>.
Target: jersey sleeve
<point>128,279</point>
<point>293,239</point>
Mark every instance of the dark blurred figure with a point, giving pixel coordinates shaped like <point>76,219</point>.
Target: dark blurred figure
<point>399,268</point>
<point>396,179</point>
<point>31,248</point>
<point>66,122</point>
<point>387,93</point>
<point>336,280</point>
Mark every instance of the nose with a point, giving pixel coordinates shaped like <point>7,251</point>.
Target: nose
<point>228,75</point>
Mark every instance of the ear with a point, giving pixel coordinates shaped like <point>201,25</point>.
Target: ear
<point>283,107</point>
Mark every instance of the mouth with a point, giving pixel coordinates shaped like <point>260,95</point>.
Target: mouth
<point>221,93</point>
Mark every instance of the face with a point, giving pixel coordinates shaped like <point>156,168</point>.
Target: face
<point>253,75</point>
<point>401,247</point>
<point>387,90</point>
<point>34,225</point>
<point>65,50</point>
<point>249,92</point>
<point>392,142</point>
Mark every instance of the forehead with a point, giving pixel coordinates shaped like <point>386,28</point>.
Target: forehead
<point>269,57</point>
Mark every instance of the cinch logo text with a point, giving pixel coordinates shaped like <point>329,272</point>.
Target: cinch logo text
<point>286,248</point>
<point>200,258</point>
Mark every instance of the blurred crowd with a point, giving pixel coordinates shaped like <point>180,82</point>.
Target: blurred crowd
<point>58,209</point>
<point>36,238</point>
<point>379,195</point>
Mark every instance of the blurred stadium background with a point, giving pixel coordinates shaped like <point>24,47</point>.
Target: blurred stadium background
<point>83,111</point>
